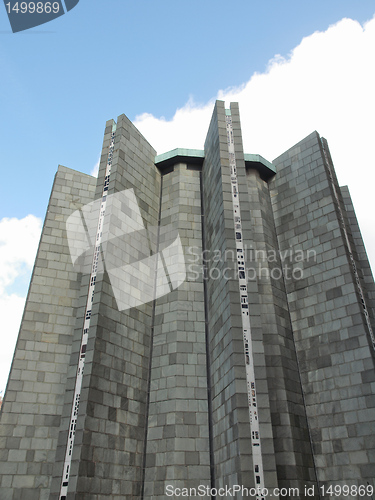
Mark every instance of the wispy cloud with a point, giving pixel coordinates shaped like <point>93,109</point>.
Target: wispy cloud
<point>18,244</point>
<point>325,84</point>
<point>95,170</point>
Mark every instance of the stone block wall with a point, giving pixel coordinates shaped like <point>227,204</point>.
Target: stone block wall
<point>293,453</point>
<point>330,332</point>
<point>165,387</point>
<point>34,399</point>
<point>178,452</point>
<point>111,428</point>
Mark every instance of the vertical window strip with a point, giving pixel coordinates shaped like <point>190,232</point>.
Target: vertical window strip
<point>86,327</point>
<point>246,327</point>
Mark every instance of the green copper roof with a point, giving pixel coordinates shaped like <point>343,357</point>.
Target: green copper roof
<point>180,153</point>
<point>196,156</point>
<point>250,158</point>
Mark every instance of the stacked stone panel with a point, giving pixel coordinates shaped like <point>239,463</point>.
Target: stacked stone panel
<point>363,265</point>
<point>336,362</point>
<point>110,436</point>
<point>293,453</point>
<point>177,438</point>
<point>33,405</point>
<point>231,427</point>
<point>225,417</point>
<point>257,329</point>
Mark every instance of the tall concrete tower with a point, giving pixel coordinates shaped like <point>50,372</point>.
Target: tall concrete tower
<point>198,323</point>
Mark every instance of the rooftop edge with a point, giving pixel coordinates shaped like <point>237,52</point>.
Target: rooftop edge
<point>196,156</point>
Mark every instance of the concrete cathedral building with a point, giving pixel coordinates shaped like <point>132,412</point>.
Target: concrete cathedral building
<point>197,319</point>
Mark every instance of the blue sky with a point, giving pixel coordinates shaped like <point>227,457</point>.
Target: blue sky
<point>61,81</point>
<point>161,62</point>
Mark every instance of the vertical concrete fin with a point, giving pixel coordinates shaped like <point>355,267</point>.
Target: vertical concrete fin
<point>33,403</point>
<point>335,360</point>
<point>227,225</point>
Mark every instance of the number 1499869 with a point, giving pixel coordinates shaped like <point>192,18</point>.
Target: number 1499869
<point>33,7</point>
<point>347,490</point>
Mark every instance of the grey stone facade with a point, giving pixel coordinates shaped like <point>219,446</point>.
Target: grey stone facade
<point>34,402</point>
<point>166,392</point>
<point>333,346</point>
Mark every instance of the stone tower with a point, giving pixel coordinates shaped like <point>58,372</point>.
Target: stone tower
<point>197,319</point>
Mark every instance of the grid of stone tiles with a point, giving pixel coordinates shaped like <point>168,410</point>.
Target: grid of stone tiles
<point>293,452</point>
<point>35,395</point>
<point>337,367</point>
<point>178,438</point>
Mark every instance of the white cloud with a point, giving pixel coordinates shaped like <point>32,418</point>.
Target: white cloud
<point>11,309</point>
<point>18,244</point>
<point>187,129</point>
<point>326,84</point>
<point>95,170</point>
